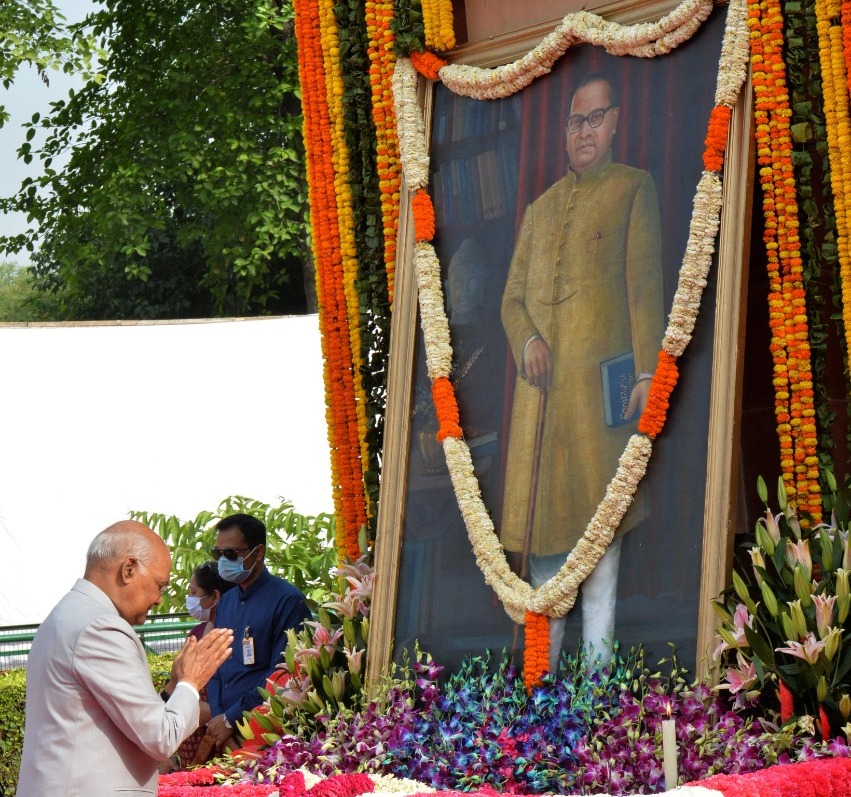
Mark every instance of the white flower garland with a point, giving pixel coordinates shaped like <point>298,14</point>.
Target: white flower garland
<point>557,596</point>
<point>705,218</point>
<point>390,786</point>
<point>434,322</point>
<point>643,40</point>
<point>413,152</point>
<point>735,55</point>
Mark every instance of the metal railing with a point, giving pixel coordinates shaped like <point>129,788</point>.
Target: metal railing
<point>161,633</point>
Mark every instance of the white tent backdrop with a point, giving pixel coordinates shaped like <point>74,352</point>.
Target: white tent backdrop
<point>99,420</point>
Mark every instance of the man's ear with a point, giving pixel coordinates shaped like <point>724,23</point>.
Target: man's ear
<point>129,566</point>
<point>616,112</point>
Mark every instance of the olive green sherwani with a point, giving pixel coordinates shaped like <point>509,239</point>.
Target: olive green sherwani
<point>586,276</point>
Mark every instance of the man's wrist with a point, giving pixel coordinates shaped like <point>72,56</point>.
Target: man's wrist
<point>227,722</point>
<point>189,686</point>
<point>535,336</point>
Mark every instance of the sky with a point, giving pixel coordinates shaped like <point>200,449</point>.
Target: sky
<point>25,97</point>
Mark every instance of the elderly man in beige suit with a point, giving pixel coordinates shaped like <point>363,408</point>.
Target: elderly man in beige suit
<point>584,287</point>
<point>95,726</point>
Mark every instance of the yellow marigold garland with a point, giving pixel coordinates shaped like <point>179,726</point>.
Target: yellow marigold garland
<point>832,54</point>
<point>341,414</point>
<point>343,192</point>
<point>793,386</point>
<point>438,24</point>
<point>382,60</point>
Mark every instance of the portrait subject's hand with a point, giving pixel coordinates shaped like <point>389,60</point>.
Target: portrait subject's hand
<point>197,661</point>
<point>637,399</point>
<point>538,365</point>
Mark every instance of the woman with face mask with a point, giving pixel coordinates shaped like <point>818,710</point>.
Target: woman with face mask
<point>206,587</point>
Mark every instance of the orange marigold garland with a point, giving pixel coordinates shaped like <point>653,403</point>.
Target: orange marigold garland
<point>834,31</point>
<point>794,398</point>
<point>428,64</point>
<point>345,218</point>
<point>716,138</point>
<point>382,58</point>
<point>845,16</point>
<point>536,653</point>
<point>423,210</point>
<point>446,408</point>
<point>662,385</point>
<point>349,500</point>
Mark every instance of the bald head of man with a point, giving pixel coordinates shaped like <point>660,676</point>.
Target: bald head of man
<point>132,566</point>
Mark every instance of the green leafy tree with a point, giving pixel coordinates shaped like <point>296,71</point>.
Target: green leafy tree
<point>18,298</point>
<point>184,190</point>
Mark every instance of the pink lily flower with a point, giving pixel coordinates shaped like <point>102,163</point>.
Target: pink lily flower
<point>799,553</point>
<point>808,650</point>
<point>741,618</point>
<point>824,613</point>
<point>739,679</point>
<point>771,525</point>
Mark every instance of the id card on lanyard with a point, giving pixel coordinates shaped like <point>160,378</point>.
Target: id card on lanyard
<point>247,646</point>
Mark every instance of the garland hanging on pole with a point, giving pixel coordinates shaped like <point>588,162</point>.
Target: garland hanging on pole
<point>793,385</point>
<point>341,411</point>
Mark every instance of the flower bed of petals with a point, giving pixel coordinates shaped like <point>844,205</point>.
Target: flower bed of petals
<point>583,730</point>
<point>829,777</point>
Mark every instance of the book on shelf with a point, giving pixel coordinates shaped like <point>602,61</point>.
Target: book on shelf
<point>618,378</point>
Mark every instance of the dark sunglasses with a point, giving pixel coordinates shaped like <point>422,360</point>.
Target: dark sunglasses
<point>228,553</point>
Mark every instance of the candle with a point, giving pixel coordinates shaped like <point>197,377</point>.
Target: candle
<point>669,751</point>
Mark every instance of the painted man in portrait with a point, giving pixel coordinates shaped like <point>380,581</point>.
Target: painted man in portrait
<point>584,288</point>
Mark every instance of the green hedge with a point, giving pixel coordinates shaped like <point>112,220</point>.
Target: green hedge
<point>12,691</point>
<point>12,694</point>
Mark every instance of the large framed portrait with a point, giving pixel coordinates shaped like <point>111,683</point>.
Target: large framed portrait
<point>562,215</point>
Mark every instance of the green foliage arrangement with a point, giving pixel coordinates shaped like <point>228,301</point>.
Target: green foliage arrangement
<point>183,191</point>
<point>784,625</point>
<point>299,548</point>
<point>160,666</point>
<point>12,694</point>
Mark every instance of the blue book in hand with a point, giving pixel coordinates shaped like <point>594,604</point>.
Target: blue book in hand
<point>618,379</point>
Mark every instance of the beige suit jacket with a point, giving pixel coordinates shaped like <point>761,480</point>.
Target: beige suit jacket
<point>95,726</point>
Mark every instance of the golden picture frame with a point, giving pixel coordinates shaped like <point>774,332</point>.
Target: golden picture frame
<point>404,608</point>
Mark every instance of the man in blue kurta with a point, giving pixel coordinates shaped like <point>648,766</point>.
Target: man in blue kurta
<point>260,613</point>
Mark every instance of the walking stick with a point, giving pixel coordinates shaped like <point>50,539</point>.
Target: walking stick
<point>533,495</point>
<point>533,484</point>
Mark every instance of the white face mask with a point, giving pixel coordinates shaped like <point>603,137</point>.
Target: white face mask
<point>194,607</point>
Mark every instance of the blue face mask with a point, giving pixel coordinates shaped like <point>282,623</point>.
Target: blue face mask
<point>232,570</point>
